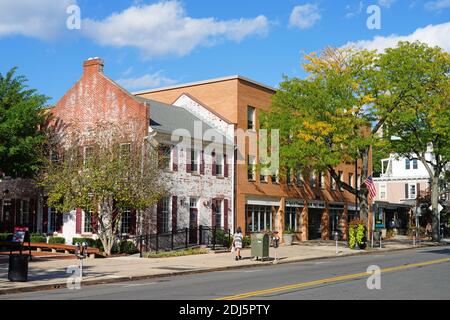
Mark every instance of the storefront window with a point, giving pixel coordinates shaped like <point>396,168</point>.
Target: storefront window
<point>259,218</point>
<point>290,221</point>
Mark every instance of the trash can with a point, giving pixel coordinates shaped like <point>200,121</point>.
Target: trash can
<point>18,267</point>
<point>260,245</point>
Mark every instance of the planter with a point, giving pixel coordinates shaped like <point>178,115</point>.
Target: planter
<point>288,238</point>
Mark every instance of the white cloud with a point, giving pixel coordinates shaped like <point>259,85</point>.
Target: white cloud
<point>304,16</point>
<point>43,19</point>
<point>437,5</point>
<point>165,28</point>
<point>433,35</point>
<point>386,3</point>
<point>146,81</point>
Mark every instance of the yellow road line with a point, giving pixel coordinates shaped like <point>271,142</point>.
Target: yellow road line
<point>329,280</point>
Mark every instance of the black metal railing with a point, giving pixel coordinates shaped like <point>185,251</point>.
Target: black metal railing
<point>213,237</point>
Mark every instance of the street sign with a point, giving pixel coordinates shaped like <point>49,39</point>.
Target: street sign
<point>439,207</point>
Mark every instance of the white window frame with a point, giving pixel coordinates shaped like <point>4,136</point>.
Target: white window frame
<point>218,214</point>
<point>195,160</point>
<point>383,191</point>
<point>410,186</point>
<point>87,225</point>
<point>253,117</point>
<point>219,164</point>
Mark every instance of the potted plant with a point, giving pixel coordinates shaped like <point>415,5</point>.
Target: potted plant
<point>288,237</point>
<point>357,235</point>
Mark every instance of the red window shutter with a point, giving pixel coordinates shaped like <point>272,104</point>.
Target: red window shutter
<point>174,212</point>
<point>159,216</point>
<point>133,221</point>
<point>188,160</point>
<point>213,155</point>
<point>225,214</point>
<point>175,158</point>
<point>213,213</point>
<point>202,163</point>
<point>78,219</point>
<point>225,166</point>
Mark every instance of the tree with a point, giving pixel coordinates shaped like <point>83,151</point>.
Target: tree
<point>418,81</point>
<point>22,120</point>
<point>104,172</point>
<point>333,116</point>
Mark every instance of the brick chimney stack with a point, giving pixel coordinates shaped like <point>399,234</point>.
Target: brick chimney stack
<point>93,65</point>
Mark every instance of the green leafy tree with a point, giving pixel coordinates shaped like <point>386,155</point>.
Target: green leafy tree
<point>333,116</point>
<point>22,122</point>
<point>102,173</point>
<point>419,84</point>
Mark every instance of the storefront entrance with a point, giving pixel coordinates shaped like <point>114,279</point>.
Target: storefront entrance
<point>314,223</point>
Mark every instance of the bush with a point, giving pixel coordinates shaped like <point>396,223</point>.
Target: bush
<point>357,234</point>
<point>90,242</point>
<point>179,253</point>
<point>38,238</point>
<point>56,240</point>
<point>4,236</point>
<point>127,247</point>
<point>247,241</point>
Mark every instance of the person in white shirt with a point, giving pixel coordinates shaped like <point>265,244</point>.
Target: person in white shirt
<point>237,243</point>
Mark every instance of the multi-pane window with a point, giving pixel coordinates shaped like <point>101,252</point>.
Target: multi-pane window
<point>259,217</point>
<point>289,176</point>
<point>412,191</point>
<point>218,213</point>
<point>383,191</point>
<point>87,222</point>
<point>53,219</point>
<point>125,150</point>
<point>312,179</point>
<point>164,152</point>
<point>88,154</point>
<point>415,164</point>
<point>341,175</point>
<point>350,180</point>
<point>165,212</point>
<point>250,118</point>
<point>193,202</point>
<point>298,176</point>
<point>275,177</point>
<point>407,164</point>
<point>251,168</point>
<point>195,160</point>
<point>125,221</point>
<point>321,180</point>
<point>219,165</point>
<point>24,212</point>
<point>358,181</point>
<point>290,221</point>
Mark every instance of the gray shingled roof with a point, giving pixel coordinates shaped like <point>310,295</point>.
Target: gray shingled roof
<point>166,118</point>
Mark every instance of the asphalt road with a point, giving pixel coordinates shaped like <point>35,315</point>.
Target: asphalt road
<point>411,274</point>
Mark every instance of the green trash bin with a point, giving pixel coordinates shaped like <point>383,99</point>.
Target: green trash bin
<point>260,246</point>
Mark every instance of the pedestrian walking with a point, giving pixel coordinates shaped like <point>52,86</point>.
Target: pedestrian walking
<point>237,243</point>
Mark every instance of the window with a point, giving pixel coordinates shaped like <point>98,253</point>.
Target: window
<point>165,211</point>
<point>321,180</point>
<point>259,217</point>
<point>250,118</point>
<point>251,168</point>
<point>52,220</point>
<point>358,181</point>
<point>24,212</point>
<point>298,176</point>
<point>164,152</point>
<point>341,175</point>
<point>312,179</point>
<point>193,202</point>
<point>289,176</point>
<point>407,164</point>
<point>290,221</point>
<point>125,221</point>
<point>219,165</point>
<point>194,160</point>
<point>87,222</point>
<point>412,191</point>
<point>350,180</point>
<point>218,213</point>
<point>88,154</point>
<point>415,164</point>
<point>383,191</point>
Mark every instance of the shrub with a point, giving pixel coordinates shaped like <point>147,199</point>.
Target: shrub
<point>247,241</point>
<point>127,247</point>
<point>90,242</point>
<point>357,234</point>
<point>178,253</point>
<point>38,238</point>
<point>56,240</point>
<point>4,236</point>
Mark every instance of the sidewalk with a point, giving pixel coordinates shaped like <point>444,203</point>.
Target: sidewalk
<point>47,273</point>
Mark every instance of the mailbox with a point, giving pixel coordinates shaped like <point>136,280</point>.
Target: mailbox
<point>260,245</point>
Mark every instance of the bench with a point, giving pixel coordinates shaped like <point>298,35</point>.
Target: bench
<point>54,247</point>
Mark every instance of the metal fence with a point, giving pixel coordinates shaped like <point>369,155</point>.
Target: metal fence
<point>212,237</point>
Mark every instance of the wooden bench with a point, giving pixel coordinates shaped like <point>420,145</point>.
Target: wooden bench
<point>55,247</point>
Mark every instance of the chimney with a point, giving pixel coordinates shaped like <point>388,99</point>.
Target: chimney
<point>93,65</point>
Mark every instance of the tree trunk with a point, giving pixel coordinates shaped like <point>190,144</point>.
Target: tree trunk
<point>435,210</point>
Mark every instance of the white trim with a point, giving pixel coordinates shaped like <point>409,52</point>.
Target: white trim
<point>263,201</point>
<point>196,83</point>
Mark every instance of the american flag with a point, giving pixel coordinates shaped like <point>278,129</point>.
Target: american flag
<point>371,186</point>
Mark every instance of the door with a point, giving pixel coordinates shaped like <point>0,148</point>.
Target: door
<point>314,223</point>
<point>193,225</point>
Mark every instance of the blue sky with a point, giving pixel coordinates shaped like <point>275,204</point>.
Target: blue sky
<point>156,43</point>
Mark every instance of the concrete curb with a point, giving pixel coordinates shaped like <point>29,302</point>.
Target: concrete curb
<point>199,271</point>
